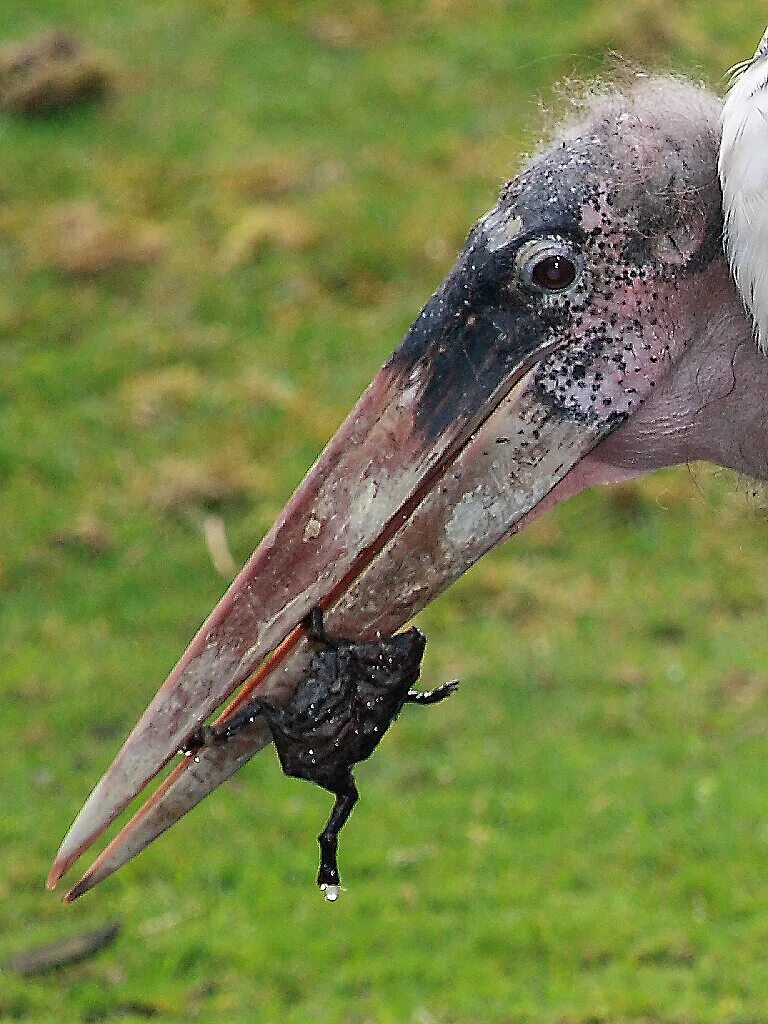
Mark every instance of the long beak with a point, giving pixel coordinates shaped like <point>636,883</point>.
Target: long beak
<point>450,447</point>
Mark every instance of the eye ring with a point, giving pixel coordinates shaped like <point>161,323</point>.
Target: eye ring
<point>549,266</point>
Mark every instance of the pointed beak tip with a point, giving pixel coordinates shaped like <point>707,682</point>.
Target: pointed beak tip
<point>63,861</point>
<point>54,875</point>
<point>73,894</point>
<point>85,884</point>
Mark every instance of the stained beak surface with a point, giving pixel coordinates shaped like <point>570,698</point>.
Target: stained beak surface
<point>455,440</point>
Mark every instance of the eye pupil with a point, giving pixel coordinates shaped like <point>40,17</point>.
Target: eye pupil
<point>554,273</point>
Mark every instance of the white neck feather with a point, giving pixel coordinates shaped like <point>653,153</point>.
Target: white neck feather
<point>743,169</point>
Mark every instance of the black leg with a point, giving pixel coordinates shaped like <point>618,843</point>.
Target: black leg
<point>433,696</point>
<point>207,735</point>
<point>314,627</point>
<point>328,875</point>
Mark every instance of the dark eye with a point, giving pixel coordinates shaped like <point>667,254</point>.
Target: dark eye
<point>548,265</point>
<point>553,273</point>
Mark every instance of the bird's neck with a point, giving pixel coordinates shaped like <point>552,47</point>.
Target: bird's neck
<point>731,429</point>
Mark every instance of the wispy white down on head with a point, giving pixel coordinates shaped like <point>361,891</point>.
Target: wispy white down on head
<point>743,169</point>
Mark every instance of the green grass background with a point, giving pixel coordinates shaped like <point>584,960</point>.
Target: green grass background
<point>582,834</point>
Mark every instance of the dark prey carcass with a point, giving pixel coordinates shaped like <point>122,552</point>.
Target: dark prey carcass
<point>336,717</point>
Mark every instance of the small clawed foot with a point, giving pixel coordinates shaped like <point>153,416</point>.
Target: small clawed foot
<point>205,736</point>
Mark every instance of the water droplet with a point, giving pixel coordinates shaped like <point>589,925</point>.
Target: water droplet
<point>331,892</point>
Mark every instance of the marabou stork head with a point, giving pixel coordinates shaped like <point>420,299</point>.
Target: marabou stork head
<point>589,332</point>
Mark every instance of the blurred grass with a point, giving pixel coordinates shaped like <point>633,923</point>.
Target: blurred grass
<point>197,278</point>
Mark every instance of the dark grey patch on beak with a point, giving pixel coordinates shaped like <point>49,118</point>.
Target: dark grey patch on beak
<point>477,328</point>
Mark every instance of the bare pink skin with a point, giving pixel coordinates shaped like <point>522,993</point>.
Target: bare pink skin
<point>711,406</point>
